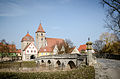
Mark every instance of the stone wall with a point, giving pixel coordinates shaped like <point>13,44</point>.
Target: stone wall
<point>62,60</point>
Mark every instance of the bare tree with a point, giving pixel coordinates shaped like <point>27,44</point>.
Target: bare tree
<point>98,45</point>
<point>108,37</point>
<point>113,15</point>
<point>67,44</point>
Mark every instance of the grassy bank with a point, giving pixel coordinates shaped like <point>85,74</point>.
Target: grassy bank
<point>17,64</point>
<point>80,73</point>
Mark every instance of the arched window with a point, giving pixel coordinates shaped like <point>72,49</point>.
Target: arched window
<point>27,51</point>
<point>31,51</point>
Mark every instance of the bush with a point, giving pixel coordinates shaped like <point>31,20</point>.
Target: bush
<point>87,72</point>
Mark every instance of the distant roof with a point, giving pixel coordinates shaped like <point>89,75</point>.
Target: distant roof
<point>71,49</point>
<point>27,37</point>
<point>18,51</point>
<point>40,29</point>
<point>82,47</point>
<point>51,42</point>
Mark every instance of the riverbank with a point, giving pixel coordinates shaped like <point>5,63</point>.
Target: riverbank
<point>86,72</point>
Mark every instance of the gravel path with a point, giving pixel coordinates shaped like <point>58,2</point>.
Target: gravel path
<point>107,69</point>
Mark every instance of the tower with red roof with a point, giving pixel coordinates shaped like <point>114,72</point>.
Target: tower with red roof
<point>40,37</point>
<point>44,46</point>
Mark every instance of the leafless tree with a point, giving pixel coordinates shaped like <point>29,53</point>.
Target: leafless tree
<point>113,15</point>
<point>67,44</point>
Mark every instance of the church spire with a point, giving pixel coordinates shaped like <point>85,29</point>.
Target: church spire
<point>40,28</point>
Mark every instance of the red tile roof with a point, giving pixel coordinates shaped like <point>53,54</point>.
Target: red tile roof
<point>27,37</point>
<point>40,29</point>
<point>18,51</point>
<point>51,42</point>
<point>82,47</point>
<point>71,49</point>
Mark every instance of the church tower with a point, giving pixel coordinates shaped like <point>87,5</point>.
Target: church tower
<point>40,37</point>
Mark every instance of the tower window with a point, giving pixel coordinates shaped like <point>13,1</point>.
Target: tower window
<point>41,34</point>
<point>41,38</point>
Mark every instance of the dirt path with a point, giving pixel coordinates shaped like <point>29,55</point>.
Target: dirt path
<point>107,69</point>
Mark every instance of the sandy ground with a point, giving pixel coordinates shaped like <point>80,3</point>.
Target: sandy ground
<point>107,69</point>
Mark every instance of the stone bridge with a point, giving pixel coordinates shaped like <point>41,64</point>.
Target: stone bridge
<point>62,60</point>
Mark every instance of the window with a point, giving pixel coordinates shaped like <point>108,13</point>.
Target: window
<point>44,49</point>
<point>28,51</point>
<point>34,51</point>
<point>30,47</point>
<point>31,51</point>
<point>41,34</point>
<point>42,39</point>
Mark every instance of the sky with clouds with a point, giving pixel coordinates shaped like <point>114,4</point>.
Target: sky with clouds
<point>68,19</point>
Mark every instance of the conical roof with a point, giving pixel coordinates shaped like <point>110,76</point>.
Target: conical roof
<point>27,37</point>
<point>40,29</point>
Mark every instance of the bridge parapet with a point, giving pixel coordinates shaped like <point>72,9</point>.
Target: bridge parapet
<point>62,56</point>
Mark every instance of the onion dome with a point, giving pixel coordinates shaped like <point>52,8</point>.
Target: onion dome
<point>27,37</point>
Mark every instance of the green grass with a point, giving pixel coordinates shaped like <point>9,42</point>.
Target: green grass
<point>87,72</point>
<point>17,64</point>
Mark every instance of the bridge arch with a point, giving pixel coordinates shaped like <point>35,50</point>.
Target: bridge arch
<point>32,57</point>
<point>42,61</point>
<point>58,63</point>
<point>71,65</point>
<point>49,62</point>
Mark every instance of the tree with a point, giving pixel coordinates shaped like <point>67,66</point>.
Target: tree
<point>98,45</point>
<point>104,46</point>
<point>4,49</point>
<point>108,38</point>
<point>113,15</point>
<point>67,44</point>
<point>116,48</point>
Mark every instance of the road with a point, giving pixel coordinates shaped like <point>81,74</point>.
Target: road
<point>107,69</point>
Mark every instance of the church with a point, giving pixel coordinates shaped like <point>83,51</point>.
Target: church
<point>31,49</point>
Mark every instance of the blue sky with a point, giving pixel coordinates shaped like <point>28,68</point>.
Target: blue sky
<point>72,19</point>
